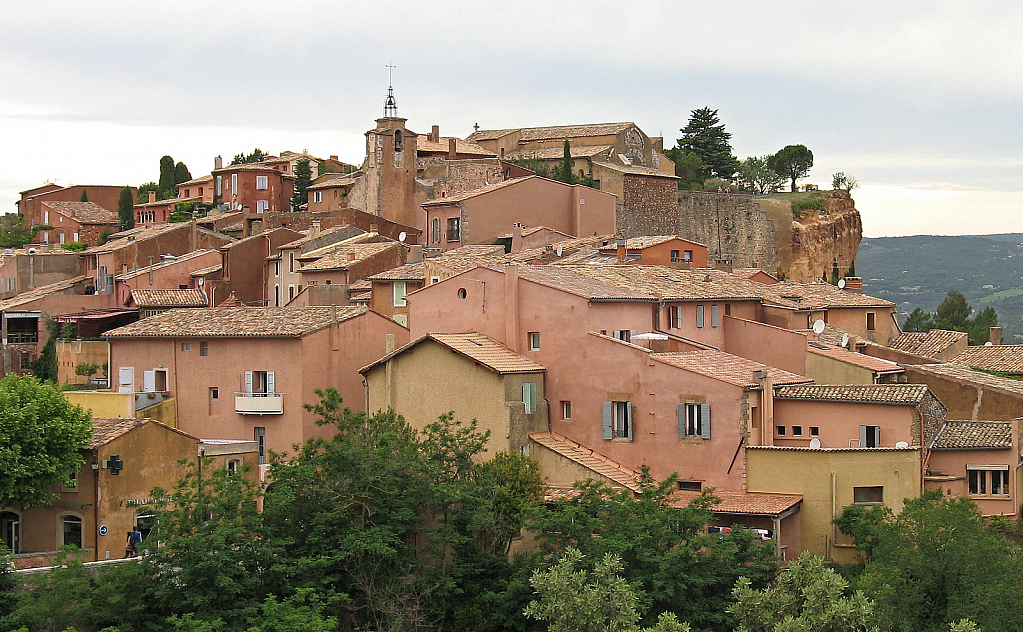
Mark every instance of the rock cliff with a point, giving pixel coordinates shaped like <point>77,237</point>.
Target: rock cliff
<point>816,239</point>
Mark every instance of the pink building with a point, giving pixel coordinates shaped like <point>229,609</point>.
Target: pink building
<point>977,460</point>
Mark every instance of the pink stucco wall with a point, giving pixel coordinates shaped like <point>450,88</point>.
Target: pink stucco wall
<point>840,422</point>
<point>783,348</point>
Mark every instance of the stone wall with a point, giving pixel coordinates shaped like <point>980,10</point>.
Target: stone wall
<point>648,207</point>
<point>734,228</point>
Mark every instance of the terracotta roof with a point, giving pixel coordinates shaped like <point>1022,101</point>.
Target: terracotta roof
<point>817,295</point>
<point>251,166</point>
<point>927,344</point>
<point>266,322</point>
<point>83,212</point>
<point>408,272</point>
<point>635,243</point>
<point>554,132</point>
<point>1001,358</point>
<point>749,273</point>
<point>589,459</point>
<point>336,180</point>
<point>200,180</point>
<point>569,279</point>
<point>162,264</point>
<point>557,153</point>
<point>323,233</point>
<point>569,247</point>
<point>423,143</point>
<point>973,435</point>
<point>801,448</point>
<point>360,285</point>
<point>490,188</point>
<point>344,257</point>
<point>205,271</point>
<point>700,284</point>
<point>636,170</point>
<point>169,298</point>
<point>106,429</point>
<point>728,368</point>
<point>850,357</point>
<point>60,287</point>
<point>527,231</point>
<point>863,393</point>
<point>965,373</point>
<point>126,238</point>
<point>831,336</point>
<point>756,503</point>
<point>485,351</point>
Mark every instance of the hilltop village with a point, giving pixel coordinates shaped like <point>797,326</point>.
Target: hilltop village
<point>598,328</point>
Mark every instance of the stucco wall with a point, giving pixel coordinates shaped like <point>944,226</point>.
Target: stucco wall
<point>825,370</point>
<point>773,346</point>
<point>969,400</point>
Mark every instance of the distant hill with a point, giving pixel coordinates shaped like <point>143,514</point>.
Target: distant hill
<point>919,271</point>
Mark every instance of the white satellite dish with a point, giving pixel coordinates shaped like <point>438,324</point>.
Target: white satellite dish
<point>901,444</point>
<point>818,326</point>
<point>845,340</point>
<point>841,284</point>
<point>559,250</point>
<point>989,344</point>
<point>200,281</point>
<point>31,251</point>
<point>815,443</point>
<point>402,236</point>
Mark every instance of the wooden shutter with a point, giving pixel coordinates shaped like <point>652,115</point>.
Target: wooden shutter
<point>149,381</point>
<point>705,421</point>
<point>863,436</point>
<point>699,315</point>
<point>681,421</point>
<point>632,334</point>
<point>607,420</point>
<point>270,383</point>
<point>713,315</point>
<point>248,383</point>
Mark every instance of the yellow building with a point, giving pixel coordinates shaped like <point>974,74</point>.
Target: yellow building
<point>155,406</point>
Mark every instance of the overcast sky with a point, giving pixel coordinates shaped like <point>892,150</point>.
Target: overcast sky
<point>919,100</point>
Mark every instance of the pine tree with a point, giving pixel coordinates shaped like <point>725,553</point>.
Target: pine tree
<point>125,210</point>
<point>166,186</point>
<point>303,178</point>
<point>706,137</point>
<point>85,195</point>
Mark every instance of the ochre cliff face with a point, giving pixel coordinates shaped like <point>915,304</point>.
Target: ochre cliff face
<point>818,239</point>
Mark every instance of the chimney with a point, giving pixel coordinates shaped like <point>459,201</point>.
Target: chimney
<point>854,284</point>
<point>334,158</point>
<point>516,244</point>
<point>452,152</point>
<point>152,196</point>
<point>995,335</point>
<point>435,134</point>
<point>415,254</point>
<point>218,163</point>
<point>314,230</point>
<point>620,243</point>
<point>763,378</point>
<point>511,306</point>
<point>374,228</point>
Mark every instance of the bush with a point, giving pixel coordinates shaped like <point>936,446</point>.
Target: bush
<point>720,184</point>
<point>75,246</point>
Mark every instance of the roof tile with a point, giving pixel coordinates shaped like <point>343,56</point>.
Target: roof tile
<point>927,344</point>
<point>726,367</point>
<point>862,393</point>
<point>268,322</point>
<point>973,435</point>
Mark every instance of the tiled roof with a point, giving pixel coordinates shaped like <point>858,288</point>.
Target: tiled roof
<point>831,336</point>
<point>636,170</point>
<point>749,273</point>
<point>163,264</point>
<point>205,271</point>
<point>591,460</point>
<point>646,241</point>
<point>106,429</point>
<point>308,238</point>
<point>965,373</point>
<point>973,435</point>
<point>484,351</point>
<point>756,503</point>
<point>527,231</point>
<point>569,246</point>
<point>701,284</point>
<point>83,212</point>
<point>850,357</point>
<point>267,322</point>
<point>726,367</point>
<point>200,180</point>
<point>343,257</point>
<point>490,188</point>
<point>490,134</point>
<point>408,272</point>
<point>252,166</point>
<point>863,393</point>
<point>60,287</point>
<point>573,131</point>
<point>360,285</point>
<point>927,344</point>
<point>169,298</point>
<point>1001,358</point>
<point>557,153</point>
<point>802,448</point>
<point>568,279</point>
<point>817,295</point>
<point>336,180</point>
<point>423,143</point>
<point>127,237</point>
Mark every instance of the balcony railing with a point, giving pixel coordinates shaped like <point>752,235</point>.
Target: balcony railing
<point>20,337</point>
<point>259,403</point>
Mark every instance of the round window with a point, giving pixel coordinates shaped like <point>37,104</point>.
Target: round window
<point>461,292</point>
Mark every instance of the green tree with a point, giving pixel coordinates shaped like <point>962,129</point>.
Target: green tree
<point>688,167</point>
<point>104,235</point>
<point>574,599</point>
<point>58,600</point>
<point>14,233</point>
<point>757,176</point>
<point>939,561</point>
<point>303,178</point>
<point>85,196</point>
<point>792,162</point>
<point>45,366</point>
<point>166,186</point>
<point>563,173</point>
<point>979,328</point>
<point>842,182</point>
<point>256,156</point>
<point>806,597</point>
<point>705,136</point>
<point>918,320</point>
<point>143,192</point>
<point>181,174</point>
<point>954,314</point>
<point>954,311</point>
<point>126,210</point>
<point>40,439</point>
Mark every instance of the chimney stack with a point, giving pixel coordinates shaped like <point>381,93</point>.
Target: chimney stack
<point>854,284</point>
<point>995,335</point>
<point>152,196</point>
<point>314,230</point>
<point>334,158</point>
<point>374,228</point>
<point>415,254</point>
<point>620,251</point>
<point>218,163</point>
<point>452,151</point>
<point>435,134</point>
<point>516,244</point>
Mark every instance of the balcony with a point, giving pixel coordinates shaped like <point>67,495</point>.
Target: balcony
<point>259,403</point>
<point>22,337</point>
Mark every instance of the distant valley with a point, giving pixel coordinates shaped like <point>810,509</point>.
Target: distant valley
<point>919,271</point>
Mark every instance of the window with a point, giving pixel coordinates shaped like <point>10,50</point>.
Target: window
<point>694,420</point>
<point>234,183</point>
<point>261,183</point>
<point>26,361</point>
<point>624,334</point>
<point>675,258</point>
<point>71,484</point>
<point>566,410</point>
<point>291,261</point>
<point>714,316</point>
<point>462,293</point>
<point>687,256</point>
<point>616,418</point>
<point>868,495</point>
<point>398,141</point>
<point>979,477</point>
<point>186,346</point>
<point>870,321</point>
<point>434,279</point>
<point>435,229</point>
<point>454,229</point>
<point>291,292</point>
<point>233,466</point>
<point>675,316</point>
<point>10,531</point>
<point>72,531</point>
<point>259,383</point>
<point>534,341</point>
<point>779,430</point>
<point>220,185</point>
<point>401,319</point>
<point>262,206</point>
<point>259,436</point>
<point>204,348</point>
<point>815,431</point>
<point>529,397</point>
<point>690,486</point>
<point>870,436</point>
<point>399,294</point>
<point>699,315</point>
<point>317,196</point>
<point>797,431</point>
<point>214,394</point>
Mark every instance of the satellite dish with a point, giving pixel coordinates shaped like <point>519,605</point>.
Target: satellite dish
<point>841,284</point>
<point>31,251</point>
<point>818,326</point>
<point>559,250</point>
<point>402,236</point>
<point>989,344</point>
<point>901,444</point>
<point>815,443</point>
<point>845,340</point>
<point>200,281</point>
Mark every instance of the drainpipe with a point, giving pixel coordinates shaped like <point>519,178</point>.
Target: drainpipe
<point>511,310</point>
<point>95,504</point>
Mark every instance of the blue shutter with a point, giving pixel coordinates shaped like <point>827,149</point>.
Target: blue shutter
<point>606,419</point>
<point>681,421</point>
<point>705,421</point>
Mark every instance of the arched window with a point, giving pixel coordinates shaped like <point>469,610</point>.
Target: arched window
<point>72,531</point>
<point>398,141</point>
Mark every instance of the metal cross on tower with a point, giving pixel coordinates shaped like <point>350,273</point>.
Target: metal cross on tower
<point>390,104</point>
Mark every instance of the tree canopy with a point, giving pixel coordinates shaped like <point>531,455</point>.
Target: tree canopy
<point>705,136</point>
<point>166,183</point>
<point>756,175</point>
<point>954,314</point>
<point>792,162</point>
<point>255,155</point>
<point>40,439</point>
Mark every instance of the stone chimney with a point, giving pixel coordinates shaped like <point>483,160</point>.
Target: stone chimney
<point>314,230</point>
<point>435,134</point>
<point>152,196</point>
<point>511,306</point>
<point>374,228</point>
<point>620,250</point>
<point>452,149</point>
<point>218,163</point>
<point>854,284</point>
<point>995,335</point>
<point>415,254</point>
<point>516,244</point>
<point>763,378</point>
<point>334,158</point>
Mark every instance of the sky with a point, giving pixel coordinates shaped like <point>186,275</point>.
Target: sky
<point>920,101</point>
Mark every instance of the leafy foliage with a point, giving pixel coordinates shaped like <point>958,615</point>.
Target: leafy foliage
<point>85,196</point>
<point>256,155</point>
<point>954,314</point>
<point>75,246</point>
<point>843,182</point>
<point>705,136</point>
<point>756,175</point>
<point>166,183</point>
<point>45,366</point>
<point>143,192</point>
<point>104,236</point>
<point>125,210</point>
<point>181,174</point>
<point>688,166</point>
<point>792,162</point>
<point>15,234</point>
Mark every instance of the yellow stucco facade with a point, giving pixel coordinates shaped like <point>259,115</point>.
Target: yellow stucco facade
<point>108,404</point>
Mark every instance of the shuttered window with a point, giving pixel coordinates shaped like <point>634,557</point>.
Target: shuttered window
<point>694,420</point>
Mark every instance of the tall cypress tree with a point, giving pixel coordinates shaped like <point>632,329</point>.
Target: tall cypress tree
<point>303,178</point>
<point>564,171</point>
<point>125,210</point>
<point>85,195</point>
<point>166,186</point>
<point>181,174</point>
